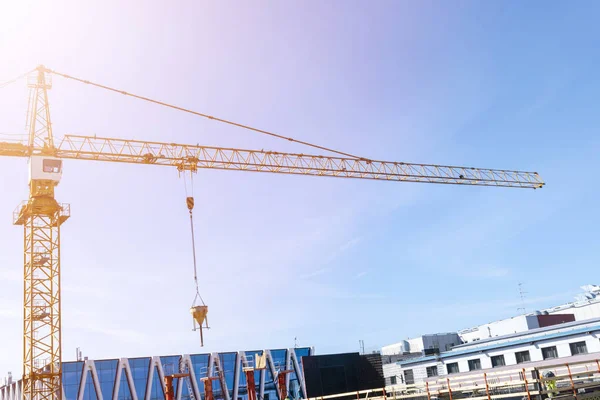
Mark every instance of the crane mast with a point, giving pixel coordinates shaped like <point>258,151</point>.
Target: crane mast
<point>41,217</point>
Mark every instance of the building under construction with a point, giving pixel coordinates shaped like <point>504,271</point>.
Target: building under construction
<point>242,375</point>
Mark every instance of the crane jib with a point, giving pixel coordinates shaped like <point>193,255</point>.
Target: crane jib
<point>193,157</point>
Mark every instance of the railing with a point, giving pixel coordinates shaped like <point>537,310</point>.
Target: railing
<point>573,380</point>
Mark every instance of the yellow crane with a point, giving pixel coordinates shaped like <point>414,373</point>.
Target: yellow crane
<point>42,216</point>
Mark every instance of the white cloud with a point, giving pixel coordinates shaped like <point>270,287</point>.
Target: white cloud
<point>361,274</point>
<point>349,244</point>
<point>314,273</point>
<point>343,248</point>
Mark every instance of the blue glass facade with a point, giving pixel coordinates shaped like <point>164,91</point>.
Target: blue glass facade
<point>142,378</point>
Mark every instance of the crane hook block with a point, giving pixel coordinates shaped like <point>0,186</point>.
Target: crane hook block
<point>199,313</point>
<point>190,203</point>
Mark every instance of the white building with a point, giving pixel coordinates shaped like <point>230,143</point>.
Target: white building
<point>393,354</point>
<point>558,341</point>
<point>439,341</point>
<point>586,306</point>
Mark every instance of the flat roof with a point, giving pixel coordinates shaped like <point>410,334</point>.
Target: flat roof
<point>592,325</point>
<point>530,332</point>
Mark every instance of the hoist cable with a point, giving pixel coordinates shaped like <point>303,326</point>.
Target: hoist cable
<point>195,266</point>
<point>204,115</point>
<point>190,205</point>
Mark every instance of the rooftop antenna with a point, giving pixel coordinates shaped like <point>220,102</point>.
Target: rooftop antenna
<point>295,342</point>
<point>522,294</point>
<point>361,343</point>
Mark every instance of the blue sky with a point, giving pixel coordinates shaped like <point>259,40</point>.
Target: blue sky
<point>489,84</point>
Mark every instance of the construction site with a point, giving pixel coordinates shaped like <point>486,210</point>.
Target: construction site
<point>198,281</point>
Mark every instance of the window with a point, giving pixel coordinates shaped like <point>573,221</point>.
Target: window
<point>393,380</point>
<point>432,371</point>
<point>498,361</point>
<point>578,348</point>
<point>522,357</point>
<point>51,165</point>
<point>452,368</point>
<point>475,364</point>
<point>549,352</point>
<point>409,377</point>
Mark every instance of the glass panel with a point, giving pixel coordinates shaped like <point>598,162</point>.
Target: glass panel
<point>409,377</point>
<point>522,357</point>
<point>549,352</point>
<point>124,389</point>
<point>185,389</point>
<point>140,368</point>
<point>217,390</point>
<point>270,391</point>
<point>474,364</point>
<point>252,355</point>
<point>107,375</point>
<point>50,165</point>
<point>498,361</point>
<point>200,364</point>
<point>296,389</point>
<point>156,391</point>
<point>89,390</point>
<point>452,368</point>
<point>228,364</point>
<point>242,382</point>
<point>170,366</point>
<point>72,372</point>
<point>578,348</point>
<point>279,361</point>
<point>279,357</point>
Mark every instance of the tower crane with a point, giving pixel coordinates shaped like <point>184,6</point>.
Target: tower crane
<point>42,216</point>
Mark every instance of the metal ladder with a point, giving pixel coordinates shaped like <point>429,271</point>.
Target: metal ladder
<point>184,369</point>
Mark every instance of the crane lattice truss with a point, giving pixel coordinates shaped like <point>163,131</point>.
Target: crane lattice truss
<point>41,215</point>
<point>194,157</point>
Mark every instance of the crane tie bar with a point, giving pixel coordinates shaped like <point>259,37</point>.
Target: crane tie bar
<point>203,115</point>
<point>4,84</point>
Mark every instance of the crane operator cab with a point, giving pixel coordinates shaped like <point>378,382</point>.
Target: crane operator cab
<point>45,168</point>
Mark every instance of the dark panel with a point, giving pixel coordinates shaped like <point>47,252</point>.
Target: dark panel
<point>371,372</point>
<point>556,319</point>
<point>333,379</point>
<point>342,373</point>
